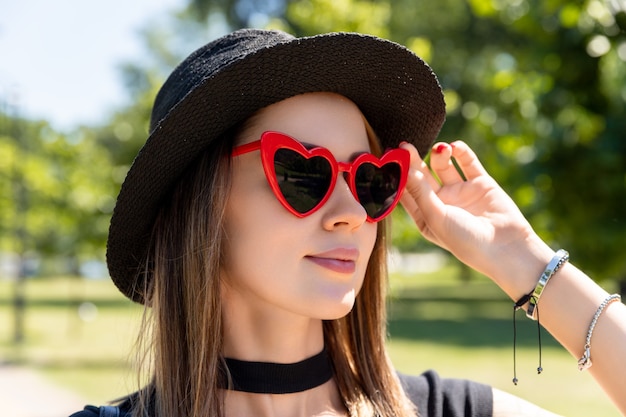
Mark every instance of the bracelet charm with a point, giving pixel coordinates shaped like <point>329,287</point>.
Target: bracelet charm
<point>585,361</point>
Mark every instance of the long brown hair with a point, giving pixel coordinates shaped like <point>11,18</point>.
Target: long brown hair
<point>183,333</point>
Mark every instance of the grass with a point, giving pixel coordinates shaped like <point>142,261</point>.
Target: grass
<point>462,330</point>
<point>466,331</point>
<point>84,348</point>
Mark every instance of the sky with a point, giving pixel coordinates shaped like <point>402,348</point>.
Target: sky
<point>59,59</point>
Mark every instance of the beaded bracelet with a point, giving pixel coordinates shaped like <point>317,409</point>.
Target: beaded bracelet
<point>585,361</point>
<point>554,265</point>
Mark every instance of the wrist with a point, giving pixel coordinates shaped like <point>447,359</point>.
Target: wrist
<point>517,268</point>
<point>532,298</point>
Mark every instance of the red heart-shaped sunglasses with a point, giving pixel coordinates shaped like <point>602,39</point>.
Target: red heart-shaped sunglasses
<point>303,179</point>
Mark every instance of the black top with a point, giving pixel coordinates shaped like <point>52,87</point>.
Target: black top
<point>434,397</point>
<point>444,397</point>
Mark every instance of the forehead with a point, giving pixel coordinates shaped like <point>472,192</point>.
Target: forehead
<point>322,119</point>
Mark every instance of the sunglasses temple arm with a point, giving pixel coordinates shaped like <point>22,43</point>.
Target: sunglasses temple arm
<point>248,147</point>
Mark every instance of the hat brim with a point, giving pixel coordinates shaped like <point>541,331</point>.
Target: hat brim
<point>395,90</point>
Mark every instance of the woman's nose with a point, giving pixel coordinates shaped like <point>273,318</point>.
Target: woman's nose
<point>342,208</point>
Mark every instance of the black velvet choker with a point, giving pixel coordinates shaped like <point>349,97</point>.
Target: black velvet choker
<point>279,378</point>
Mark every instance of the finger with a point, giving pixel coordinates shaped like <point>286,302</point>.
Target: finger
<point>467,160</point>
<point>422,218</point>
<point>441,164</point>
<point>419,198</point>
<point>411,207</point>
<point>417,163</point>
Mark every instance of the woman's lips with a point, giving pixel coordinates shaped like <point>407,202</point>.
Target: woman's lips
<point>341,260</point>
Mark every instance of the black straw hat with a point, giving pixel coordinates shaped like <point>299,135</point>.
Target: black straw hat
<point>223,83</point>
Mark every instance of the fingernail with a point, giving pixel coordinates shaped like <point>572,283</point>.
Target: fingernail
<point>441,147</point>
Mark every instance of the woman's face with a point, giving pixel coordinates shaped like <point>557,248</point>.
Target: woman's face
<point>276,262</point>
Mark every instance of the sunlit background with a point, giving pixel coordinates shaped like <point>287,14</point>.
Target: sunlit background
<point>537,87</point>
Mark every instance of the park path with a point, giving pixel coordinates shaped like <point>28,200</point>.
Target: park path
<point>25,393</point>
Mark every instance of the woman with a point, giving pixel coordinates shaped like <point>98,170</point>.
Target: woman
<point>251,225</point>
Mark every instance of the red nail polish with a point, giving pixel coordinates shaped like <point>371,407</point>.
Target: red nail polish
<point>440,148</point>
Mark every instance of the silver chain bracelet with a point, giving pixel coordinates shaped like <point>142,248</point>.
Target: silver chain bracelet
<point>585,361</point>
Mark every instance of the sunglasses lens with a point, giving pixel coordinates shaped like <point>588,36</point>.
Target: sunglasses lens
<point>303,182</point>
<point>377,187</point>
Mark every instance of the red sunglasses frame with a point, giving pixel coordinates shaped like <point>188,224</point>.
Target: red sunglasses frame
<point>271,141</point>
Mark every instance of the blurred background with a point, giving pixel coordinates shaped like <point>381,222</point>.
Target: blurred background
<point>537,87</point>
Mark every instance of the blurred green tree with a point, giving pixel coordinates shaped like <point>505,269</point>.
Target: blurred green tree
<point>57,198</point>
<point>54,200</point>
<point>536,87</point>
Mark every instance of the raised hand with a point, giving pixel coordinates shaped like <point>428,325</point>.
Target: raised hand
<point>477,221</point>
<point>471,217</point>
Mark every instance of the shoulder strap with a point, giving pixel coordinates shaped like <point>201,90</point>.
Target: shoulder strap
<point>109,411</point>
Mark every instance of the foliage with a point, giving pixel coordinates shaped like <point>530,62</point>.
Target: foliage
<point>80,332</point>
<point>537,87</point>
<point>57,197</point>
